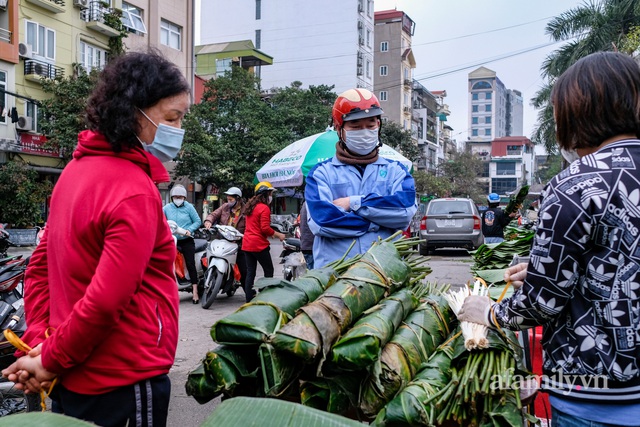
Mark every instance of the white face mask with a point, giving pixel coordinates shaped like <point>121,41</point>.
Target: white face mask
<point>569,155</point>
<point>270,200</point>
<point>361,141</point>
<point>178,202</point>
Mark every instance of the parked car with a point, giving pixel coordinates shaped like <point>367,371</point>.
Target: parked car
<point>450,222</point>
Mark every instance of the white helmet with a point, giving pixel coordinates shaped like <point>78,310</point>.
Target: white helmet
<point>178,190</point>
<point>234,191</point>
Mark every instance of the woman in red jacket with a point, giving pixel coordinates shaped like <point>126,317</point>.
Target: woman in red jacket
<point>100,295</point>
<point>258,228</point>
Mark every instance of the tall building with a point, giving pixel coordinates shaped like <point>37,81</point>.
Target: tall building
<point>45,39</point>
<point>429,125</point>
<point>515,113</point>
<point>394,64</point>
<point>494,110</point>
<point>316,43</point>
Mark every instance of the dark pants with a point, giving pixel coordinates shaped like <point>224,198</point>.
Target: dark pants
<point>253,258</point>
<point>188,248</point>
<point>145,404</point>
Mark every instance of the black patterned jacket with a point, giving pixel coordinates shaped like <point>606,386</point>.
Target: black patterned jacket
<point>583,280</point>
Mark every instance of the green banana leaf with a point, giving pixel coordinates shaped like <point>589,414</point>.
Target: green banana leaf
<point>244,411</point>
<point>516,199</point>
<point>412,407</point>
<point>278,371</point>
<point>325,395</point>
<point>412,345</point>
<point>361,345</point>
<point>42,419</point>
<point>378,272</point>
<point>230,370</point>
<point>253,323</point>
<point>275,304</point>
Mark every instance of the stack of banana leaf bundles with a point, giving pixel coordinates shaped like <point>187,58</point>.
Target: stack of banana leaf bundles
<point>346,339</point>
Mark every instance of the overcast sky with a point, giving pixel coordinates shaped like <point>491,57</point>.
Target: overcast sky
<point>453,38</point>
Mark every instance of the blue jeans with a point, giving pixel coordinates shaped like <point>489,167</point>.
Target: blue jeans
<point>309,260</point>
<point>560,419</point>
<point>493,239</point>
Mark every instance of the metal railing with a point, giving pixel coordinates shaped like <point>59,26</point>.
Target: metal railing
<point>49,71</point>
<point>95,12</point>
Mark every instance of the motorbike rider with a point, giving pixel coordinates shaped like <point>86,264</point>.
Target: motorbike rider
<point>185,215</point>
<point>256,243</point>
<point>231,214</point>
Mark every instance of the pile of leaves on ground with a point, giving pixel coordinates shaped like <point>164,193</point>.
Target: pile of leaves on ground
<point>350,339</point>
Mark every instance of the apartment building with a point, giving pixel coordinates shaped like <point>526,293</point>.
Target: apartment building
<point>315,43</point>
<point>429,117</point>
<point>45,39</point>
<point>394,64</point>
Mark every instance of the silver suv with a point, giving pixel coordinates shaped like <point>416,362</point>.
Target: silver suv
<point>450,222</point>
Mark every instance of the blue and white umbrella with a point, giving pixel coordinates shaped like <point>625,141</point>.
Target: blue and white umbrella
<point>290,166</point>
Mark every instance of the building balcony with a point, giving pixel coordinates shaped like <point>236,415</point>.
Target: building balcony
<point>36,71</point>
<point>96,16</point>
<point>55,6</point>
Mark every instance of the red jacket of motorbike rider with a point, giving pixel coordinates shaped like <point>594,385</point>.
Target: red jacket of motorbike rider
<point>258,229</point>
<point>101,281</point>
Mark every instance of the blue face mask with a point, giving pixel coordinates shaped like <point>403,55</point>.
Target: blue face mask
<point>167,142</point>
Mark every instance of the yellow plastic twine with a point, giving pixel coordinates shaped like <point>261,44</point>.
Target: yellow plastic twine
<point>15,341</point>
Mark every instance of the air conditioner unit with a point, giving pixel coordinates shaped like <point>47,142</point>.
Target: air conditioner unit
<point>40,69</point>
<point>361,41</point>
<point>82,4</point>
<point>360,71</point>
<point>24,123</point>
<point>25,50</point>
<point>360,25</point>
<point>3,4</point>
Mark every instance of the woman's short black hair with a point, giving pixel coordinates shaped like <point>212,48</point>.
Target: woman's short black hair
<point>597,98</point>
<point>130,81</point>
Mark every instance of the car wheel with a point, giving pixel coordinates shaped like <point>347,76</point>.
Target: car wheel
<point>424,250</point>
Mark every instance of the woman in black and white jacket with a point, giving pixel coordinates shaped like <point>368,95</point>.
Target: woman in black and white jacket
<point>583,279</point>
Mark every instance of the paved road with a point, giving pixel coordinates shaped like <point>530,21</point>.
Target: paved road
<point>449,266</point>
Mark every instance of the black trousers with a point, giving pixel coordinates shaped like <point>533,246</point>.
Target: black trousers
<point>188,248</point>
<point>145,404</point>
<point>253,258</point>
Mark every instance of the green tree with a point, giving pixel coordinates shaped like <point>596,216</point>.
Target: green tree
<point>21,195</point>
<point>236,129</point>
<point>552,167</point>
<point>462,171</point>
<point>396,137</point>
<point>428,183</point>
<point>64,110</point>
<point>597,25</point>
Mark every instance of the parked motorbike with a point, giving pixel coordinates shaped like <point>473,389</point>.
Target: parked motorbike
<point>4,241</point>
<point>182,274</point>
<point>12,271</point>
<point>283,223</point>
<point>222,274</point>
<point>294,264</point>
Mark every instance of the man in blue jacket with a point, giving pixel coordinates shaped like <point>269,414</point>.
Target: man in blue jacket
<point>185,215</point>
<point>357,195</point>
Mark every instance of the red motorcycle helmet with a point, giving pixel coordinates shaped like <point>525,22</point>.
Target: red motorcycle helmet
<point>355,104</point>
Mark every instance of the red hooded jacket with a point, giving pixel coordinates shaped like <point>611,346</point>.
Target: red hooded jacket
<point>101,283</point>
